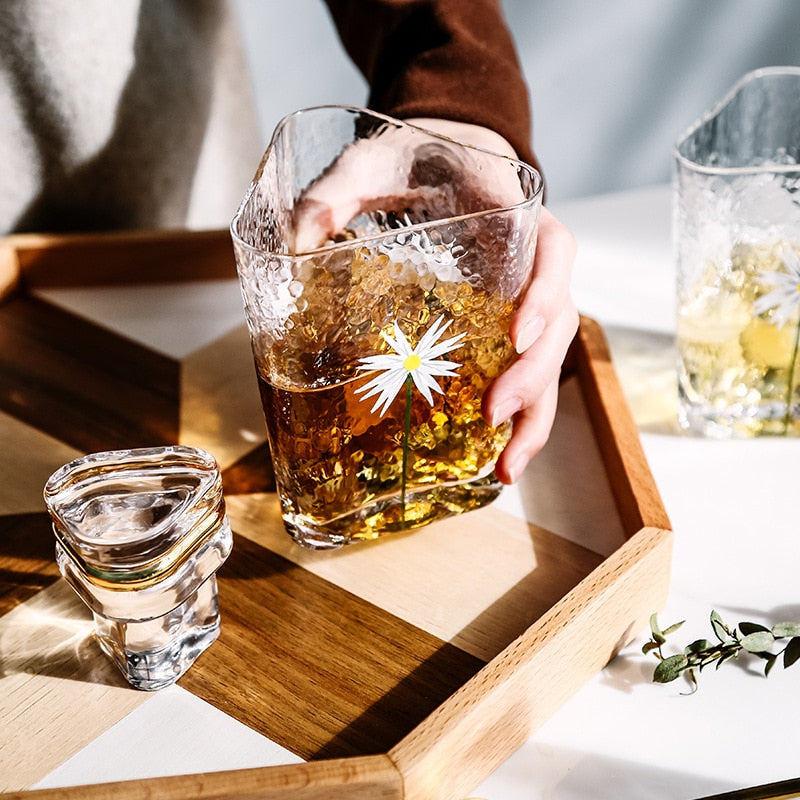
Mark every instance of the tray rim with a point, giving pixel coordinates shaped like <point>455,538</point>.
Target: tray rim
<point>634,578</point>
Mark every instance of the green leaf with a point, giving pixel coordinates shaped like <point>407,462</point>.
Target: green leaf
<point>670,668</point>
<point>648,647</point>
<point>672,628</point>
<point>751,627</point>
<point>726,657</point>
<point>765,655</point>
<point>721,630</point>
<point>784,630</point>
<point>655,629</point>
<point>698,647</point>
<point>708,659</point>
<point>770,664</point>
<point>758,642</point>
<point>654,626</point>
<point>792,652</point>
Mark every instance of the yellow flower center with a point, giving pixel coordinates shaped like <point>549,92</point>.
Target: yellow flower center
<point>412,362</point>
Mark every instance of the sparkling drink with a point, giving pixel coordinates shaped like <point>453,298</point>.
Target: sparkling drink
<point>346,469</point>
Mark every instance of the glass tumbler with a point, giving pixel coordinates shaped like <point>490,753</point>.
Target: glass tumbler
<point>139,536</point>
<point>737,242</point>
<point>380,266</point>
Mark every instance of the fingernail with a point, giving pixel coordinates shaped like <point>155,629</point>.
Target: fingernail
<point>529,333</point>
<point>504,412</point>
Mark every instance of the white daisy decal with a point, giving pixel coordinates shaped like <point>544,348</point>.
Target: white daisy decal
<point>420,364</point>
<point>784,298</point>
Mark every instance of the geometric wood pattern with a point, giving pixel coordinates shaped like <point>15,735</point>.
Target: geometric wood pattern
<point>85,387</point>
<point>409,667</point>
<point>26,558</point>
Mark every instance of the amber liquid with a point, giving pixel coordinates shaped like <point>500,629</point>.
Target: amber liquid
<point>339,465</point>
<point>345,471</point>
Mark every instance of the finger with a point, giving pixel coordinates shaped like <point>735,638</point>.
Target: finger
<point>532,428</point>
<point>368,169</point>
<point>527,378</point>
<point>494,181</point>
<point>549,289</point>
<point>314,223</point>
<point>469,133</point>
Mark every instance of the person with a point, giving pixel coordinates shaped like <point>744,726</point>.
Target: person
<point>135,114</point>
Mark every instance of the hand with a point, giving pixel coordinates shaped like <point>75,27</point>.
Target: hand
<point>543,326</point>
<point>541,331</point>
<point>374,172</point>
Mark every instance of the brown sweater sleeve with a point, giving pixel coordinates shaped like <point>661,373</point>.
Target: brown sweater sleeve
<point>452,59</point>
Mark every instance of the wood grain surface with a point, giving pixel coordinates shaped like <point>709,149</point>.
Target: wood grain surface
<point>56,695</point>
<point>476,582</point>
<point>490,717</point>
<point>85,386</point>
<point>366,778</point>
<point>316,668</point>
<point>405,668</point>
<point>117,257</point>
<point>635,491</point>
<point>27,564</point>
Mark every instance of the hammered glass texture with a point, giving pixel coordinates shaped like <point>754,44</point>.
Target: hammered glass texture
<point>437,230</point>
<point>737,220</point>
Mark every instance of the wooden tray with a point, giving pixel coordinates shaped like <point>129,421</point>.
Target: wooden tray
<point>408,668</point>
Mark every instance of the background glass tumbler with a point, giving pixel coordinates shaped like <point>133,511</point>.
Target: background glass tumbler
<point>737,241</point>
<point>380,266</point>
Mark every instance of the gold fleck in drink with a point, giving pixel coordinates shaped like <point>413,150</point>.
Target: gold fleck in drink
<point>339,463</point>
<point>351,468</point>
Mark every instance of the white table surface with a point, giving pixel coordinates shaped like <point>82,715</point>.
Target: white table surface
<point>733,510</point>
<point>732,507</point>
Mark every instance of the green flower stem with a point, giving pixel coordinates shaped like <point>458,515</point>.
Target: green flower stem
<point>406,435</point>
<point>747,637</point>
<point>790,381</point>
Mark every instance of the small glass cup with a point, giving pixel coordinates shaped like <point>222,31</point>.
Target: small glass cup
<point>380,266</point>
<point>737,242</point>
<point>139,536</point>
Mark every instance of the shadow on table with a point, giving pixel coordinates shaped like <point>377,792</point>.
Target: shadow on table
<point>646,364</point>
<point>768,616</point>
<point>27,557</point>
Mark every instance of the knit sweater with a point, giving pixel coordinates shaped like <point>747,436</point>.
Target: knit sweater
<point>453,59</point>
<point>139,114</point>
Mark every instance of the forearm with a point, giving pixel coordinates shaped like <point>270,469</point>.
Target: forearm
<point>449,59</point>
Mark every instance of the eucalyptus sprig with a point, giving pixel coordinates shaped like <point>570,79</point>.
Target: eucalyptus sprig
<point>748,637</point>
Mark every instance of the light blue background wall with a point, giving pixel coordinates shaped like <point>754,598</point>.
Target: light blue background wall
<point>613,82</point>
